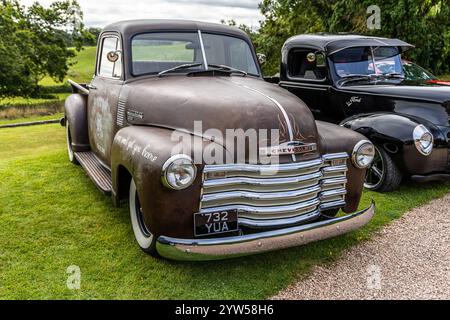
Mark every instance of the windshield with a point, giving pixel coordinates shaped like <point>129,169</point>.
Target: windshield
<point>367,61</point>
<point>414,72</point>
<point>155,52</point>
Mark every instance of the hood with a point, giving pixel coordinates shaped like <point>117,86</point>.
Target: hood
<point>220,103</point>
<point>428,102</point>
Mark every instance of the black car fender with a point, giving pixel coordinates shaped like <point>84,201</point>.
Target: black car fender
<point>394,133</point>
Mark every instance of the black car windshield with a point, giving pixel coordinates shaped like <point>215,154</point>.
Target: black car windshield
<point>153,53</point>
<point>414,72</point>
<point>367,61</point>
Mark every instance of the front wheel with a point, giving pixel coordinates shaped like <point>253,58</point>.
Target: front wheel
<point>143,236</point>
<point>383,175</point>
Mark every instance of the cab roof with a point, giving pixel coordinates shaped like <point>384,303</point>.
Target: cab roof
<point>131,27</point>
<point>332,43</point>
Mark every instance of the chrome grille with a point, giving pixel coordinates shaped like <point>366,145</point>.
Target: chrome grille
<point>272,196</point>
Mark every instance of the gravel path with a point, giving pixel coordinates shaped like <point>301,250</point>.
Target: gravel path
<point>408,259</point>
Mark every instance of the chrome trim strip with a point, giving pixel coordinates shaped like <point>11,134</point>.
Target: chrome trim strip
<point>265,210</point>
<point>205,62</point>
<point>260,195</point>
<point>335,156</point>
<point>255,168</point>
<point>333,193</point>
<point>261,181</point>
<point>278,222</point>
<point>331,181</point>
<point>332,205</point>
<point>229,247</point>
<point>335,169</point>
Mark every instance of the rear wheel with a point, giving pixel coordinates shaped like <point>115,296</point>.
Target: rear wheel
<point>142,234</point>
<point>69,145</point>
<point>383,175</point>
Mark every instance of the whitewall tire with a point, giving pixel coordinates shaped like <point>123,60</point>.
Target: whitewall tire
<point>142,234</point>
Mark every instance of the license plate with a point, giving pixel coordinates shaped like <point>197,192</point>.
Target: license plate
<point>215,222</point>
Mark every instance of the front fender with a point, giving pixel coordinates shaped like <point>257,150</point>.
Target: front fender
<point>141,152</point>
<point>394,133</point>
<point>334,139</point>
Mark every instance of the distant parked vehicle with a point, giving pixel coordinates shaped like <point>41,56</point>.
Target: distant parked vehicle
<point>359,82</point>
<point>415,72</point>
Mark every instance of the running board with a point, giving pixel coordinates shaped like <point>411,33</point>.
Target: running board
<point>100,175</point>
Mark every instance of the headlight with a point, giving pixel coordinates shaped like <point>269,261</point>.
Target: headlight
<point>423,139</point>
<point>363,154</point>
<point>178,172</point>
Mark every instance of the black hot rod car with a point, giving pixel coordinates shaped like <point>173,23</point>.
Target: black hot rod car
<point>359,82</point>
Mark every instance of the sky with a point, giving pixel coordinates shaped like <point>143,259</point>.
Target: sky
<point>98,13</point>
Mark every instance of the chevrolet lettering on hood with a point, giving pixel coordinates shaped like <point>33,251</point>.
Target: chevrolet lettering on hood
<point>292,147</point>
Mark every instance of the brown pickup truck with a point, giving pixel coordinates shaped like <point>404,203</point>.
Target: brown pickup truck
<point>214,161</point>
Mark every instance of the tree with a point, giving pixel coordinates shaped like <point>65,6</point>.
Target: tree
<point>34,44</point>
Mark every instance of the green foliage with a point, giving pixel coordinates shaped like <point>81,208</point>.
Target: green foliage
<point>425,24</point>
<point>34,43</point>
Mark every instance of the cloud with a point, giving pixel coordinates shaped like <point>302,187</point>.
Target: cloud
<point>102,12</point>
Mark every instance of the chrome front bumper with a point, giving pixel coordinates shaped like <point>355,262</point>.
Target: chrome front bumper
<point>230,247</point>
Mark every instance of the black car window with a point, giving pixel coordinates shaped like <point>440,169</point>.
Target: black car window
<point>302,65</point>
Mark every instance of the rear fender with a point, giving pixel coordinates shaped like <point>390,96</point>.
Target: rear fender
<point>75,108</point>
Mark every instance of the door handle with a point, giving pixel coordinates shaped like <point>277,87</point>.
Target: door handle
<point>91,87</point>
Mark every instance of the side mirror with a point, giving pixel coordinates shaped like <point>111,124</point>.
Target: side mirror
<point>113,56</point>
<point>261,58</point>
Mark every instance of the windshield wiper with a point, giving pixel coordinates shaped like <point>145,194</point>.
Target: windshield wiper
<point>356,77</point>
<point>227,68</point>
<point>394,75</point>
<point>180,67</point>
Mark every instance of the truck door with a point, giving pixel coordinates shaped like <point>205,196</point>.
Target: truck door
<point>104,91</point>
<point>305,79</point>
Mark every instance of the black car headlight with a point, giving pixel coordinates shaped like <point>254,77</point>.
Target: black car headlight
<point>423,140</point>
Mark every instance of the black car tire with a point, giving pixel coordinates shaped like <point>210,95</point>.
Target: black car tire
<point>145,239</point>
<point>383,175</point>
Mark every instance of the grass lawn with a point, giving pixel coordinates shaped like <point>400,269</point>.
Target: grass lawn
<point>52,217</point>
<point>445,77</point>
